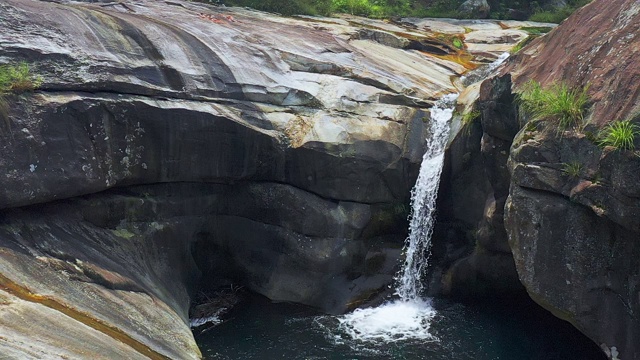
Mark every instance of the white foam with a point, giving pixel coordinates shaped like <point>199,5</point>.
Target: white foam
<point>213,320</point>
<point>194,323</point>
<point>391,322</point>
<point>410,317</point>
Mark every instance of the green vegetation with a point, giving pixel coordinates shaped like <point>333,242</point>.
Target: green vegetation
<point>18,78</point>
<point>557,104</point>
<point>533,32</point>
<point>620,135</point>
<point>359,7</point>
<point>15,79</point>
<point>556,15</point>
<point>467,120</point>
<point>295,7</point>
<point>552,16</point>
<point>531,126</point>
<point>573,169</point>
<point>436,8</point>
<point>409,8</point>
<point>369,8</point>
<point>457,43</point>
<point>520,45</point>
<point>536,30</point>
<point>470,117</point>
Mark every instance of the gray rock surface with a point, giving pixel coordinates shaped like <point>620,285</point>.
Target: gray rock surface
<point>574,233</point>
<point>480,189</point>
<point>176,143</point>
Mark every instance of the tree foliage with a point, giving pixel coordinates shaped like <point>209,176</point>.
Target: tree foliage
<point>541,10</point>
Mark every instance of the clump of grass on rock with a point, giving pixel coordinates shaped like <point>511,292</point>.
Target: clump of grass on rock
<point>573,169</point>
<point>15,78</point>
<point>557,104</point>
<point>18,78</point>
<point>620,135</point>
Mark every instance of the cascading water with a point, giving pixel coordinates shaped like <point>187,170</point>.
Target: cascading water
<point>409,316</point>
<point>423,201</point>
<point>481,73</point>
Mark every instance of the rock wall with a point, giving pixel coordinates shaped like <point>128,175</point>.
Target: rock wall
<point>573,236</point>
<point>479,188</point>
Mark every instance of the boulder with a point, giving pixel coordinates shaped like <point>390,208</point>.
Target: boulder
<point>488,268</point>
<point>578,265</point>
<point>604,57</point>
<point>474,9</point>
<point>573,233</point>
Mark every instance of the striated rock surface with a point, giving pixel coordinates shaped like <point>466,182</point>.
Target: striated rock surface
<point>174,145</point>
<point>603,56</point>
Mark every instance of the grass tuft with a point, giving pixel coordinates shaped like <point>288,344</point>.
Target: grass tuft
<point>573,169</point>
<point>520,45</point>
<point>18,78</point>
<point>470,117</point>
<point>558,104</point>
<point>620,135</point>
<point>15,79</point>
<point>536,30</point>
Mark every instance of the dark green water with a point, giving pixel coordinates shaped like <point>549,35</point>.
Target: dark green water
<point>259,329</point>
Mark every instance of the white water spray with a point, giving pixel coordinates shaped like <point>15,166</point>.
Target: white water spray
<point>409,317</point>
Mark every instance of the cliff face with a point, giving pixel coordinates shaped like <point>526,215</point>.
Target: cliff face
<point>174,142</point>
<point>603,56</point>
<point>573,235</point>
<point>575,238</point>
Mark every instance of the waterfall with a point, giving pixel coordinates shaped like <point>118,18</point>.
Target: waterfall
<point>409,317</point>
<point>425,191</point>
<point>423,201</point>
<point>482,72</point>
